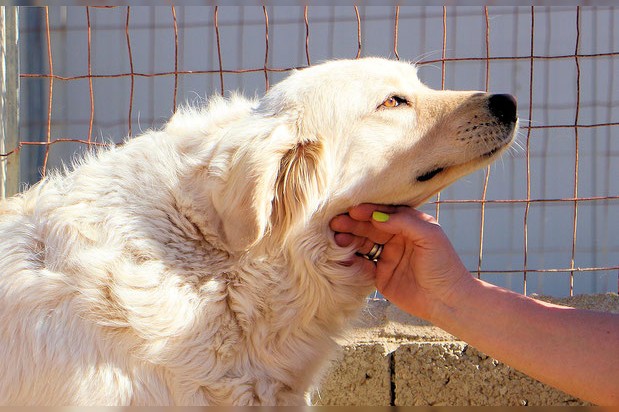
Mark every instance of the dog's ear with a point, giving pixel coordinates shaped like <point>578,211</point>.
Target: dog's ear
<point>244,200</point>
<point>300,181</point>
<point>267,185</point>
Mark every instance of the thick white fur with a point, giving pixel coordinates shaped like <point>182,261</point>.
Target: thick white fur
<point>194,265</point>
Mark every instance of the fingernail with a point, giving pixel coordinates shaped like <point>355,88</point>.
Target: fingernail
<point>380,216</point>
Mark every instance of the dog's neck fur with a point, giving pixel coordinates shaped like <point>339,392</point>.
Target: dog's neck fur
<point>317,296</point>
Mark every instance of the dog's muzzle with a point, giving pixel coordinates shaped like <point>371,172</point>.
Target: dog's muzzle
<point>374,253</point>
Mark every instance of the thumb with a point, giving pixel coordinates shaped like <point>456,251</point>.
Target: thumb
<point>420,228</point>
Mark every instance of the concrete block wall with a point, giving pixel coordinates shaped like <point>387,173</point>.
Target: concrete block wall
<point>391,358</point>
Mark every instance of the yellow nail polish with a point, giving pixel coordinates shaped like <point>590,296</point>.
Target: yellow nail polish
<point>380,216</point>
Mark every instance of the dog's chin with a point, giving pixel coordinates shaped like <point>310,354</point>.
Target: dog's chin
<point>476,163</point>
<point>439,178</point>
<point>481,161</point>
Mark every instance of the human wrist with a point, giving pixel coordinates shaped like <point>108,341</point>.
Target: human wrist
<point>453,299</point>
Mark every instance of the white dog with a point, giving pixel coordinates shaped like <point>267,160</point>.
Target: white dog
<point>195,265</point>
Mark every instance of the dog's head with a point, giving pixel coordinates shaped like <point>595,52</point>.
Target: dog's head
<point>347,132</point>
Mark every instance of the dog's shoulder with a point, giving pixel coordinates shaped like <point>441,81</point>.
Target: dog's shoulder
<point>209,117</point>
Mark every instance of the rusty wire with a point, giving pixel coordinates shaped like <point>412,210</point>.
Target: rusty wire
<point>132,75</point>
<point>576,145</point>
<point>443,61</point>
<point>176,74</point>
<point>266,47</point>
<point>482,223</point>
<point>48,137</point>
<point>395,32</point>
<point>359,39</point>
<point>221,71</point>
<point>90,86</point>
<point>289,68</point>
<point>528,157</point>
<point>307,33</point>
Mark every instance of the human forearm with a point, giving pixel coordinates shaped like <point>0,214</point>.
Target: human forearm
<point>574,350</point>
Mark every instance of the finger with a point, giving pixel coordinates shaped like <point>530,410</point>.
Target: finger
<point>363,212</point>
<point>386,266</point>
<point>347,239</point>
<point>419,215</point>
<point>340,223</point>
<point>368,265</point>
<point>357,259</point>
<point>419,227</point>
<point>346,224</point>
<point>367,246</point>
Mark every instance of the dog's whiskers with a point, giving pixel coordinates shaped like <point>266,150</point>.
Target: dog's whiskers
<point>422,56</point>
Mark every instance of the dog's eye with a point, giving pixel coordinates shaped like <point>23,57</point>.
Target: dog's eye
<point>393,101</point>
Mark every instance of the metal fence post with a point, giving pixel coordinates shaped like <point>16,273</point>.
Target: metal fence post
<point>9,101</point>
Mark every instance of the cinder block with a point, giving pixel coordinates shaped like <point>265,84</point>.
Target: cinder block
<point>392,358</point>
<point>456,374</point>
<point>361,376</point>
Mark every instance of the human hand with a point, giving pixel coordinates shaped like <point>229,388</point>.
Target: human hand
<point>418,268</point>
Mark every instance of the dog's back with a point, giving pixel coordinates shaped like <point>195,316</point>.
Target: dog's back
<point>74,252</point>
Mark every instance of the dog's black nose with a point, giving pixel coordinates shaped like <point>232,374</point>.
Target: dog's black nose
<point>503,107</point>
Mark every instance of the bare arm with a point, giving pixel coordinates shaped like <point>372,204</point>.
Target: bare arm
<point>574,350</point>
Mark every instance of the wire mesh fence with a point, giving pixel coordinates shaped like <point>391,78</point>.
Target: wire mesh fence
<point>542,220</point>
